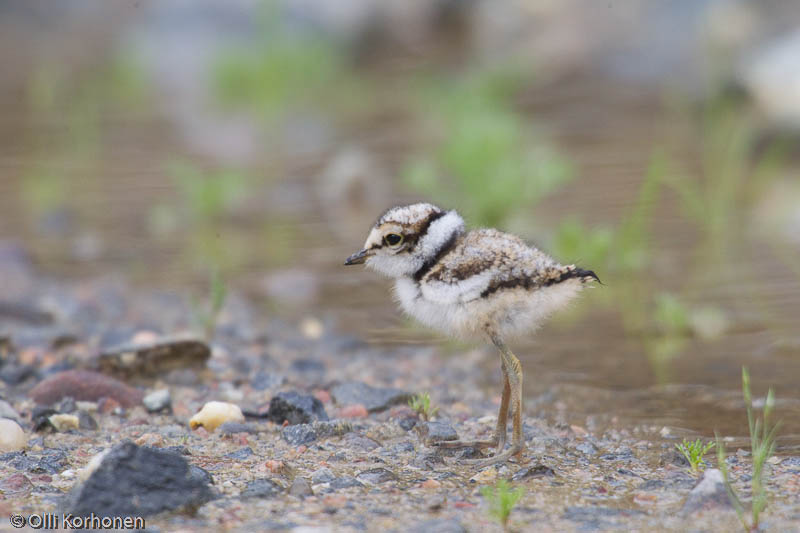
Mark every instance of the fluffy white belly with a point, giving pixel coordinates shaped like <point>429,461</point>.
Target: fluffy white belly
<point>509,313</point>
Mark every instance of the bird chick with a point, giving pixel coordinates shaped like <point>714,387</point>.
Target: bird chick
<point>471,285</point>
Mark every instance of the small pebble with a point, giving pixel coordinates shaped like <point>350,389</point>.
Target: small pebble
<point>300,488</point>
<point>322,475</point>
<point>12,438</point>
<point>215,413</point>
<point>64,422</point>
<point>157,400</point>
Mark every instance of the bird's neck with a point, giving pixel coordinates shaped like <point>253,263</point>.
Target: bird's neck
<point>441,237</point>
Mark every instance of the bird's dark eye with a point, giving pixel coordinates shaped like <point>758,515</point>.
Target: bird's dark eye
<point>393,239</point>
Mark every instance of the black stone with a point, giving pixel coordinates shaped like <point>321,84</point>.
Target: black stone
<point>373,398</point>
<point>296,408</point>
<point>140,481</point>
<point>299,434</point>
<point>40,417</point>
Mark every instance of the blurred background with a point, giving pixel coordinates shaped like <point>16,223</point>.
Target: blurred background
<point>253,143</point>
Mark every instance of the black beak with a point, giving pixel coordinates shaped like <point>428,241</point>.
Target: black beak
<point>357,258</point>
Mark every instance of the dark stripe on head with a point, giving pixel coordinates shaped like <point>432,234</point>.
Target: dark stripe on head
<point>417,234</point>
<point>429,263</point>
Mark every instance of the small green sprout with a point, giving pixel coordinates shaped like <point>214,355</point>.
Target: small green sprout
<point>694,452</point>
<point>421,403</point>
<point>762,446</point>
<point>206,315</point>
<point>502,500</point>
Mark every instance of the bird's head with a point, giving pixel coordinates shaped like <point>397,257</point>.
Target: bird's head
<point>404,237</point>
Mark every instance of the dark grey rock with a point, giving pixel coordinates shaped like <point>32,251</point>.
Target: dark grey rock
<point>468,453</point>
<point>360,442</point>
<point>240,454</point>
<point>710,492</point>
<point>267,380</point>
<point>436,431</point>
<point>157,400</point>
<point>299,434</point>
<point>428,461</point>
<point>14,374</point>
<point>51,461</point>
<point>296,408</point>
<point>438,525</point>
<point>139,481</point>
<point>40,417</point>
<point>322,475</point>
<point>345,482</point>
<point>66,405</point>
<point>373,398</point>
<point>374,476</point>
<point>532,472</point>
<point>402,447</point>
<point>673,457</point>
<point>407,423</point>
<point>261,488</point>
<point>154,359</point>
<point>86,421</point>
<point>232,428</point>
<point>587,448</point>
<point>300,488</point>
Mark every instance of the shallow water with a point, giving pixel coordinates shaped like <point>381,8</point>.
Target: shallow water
<point>582,368</point>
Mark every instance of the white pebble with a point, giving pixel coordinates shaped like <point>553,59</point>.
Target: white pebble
<point>12,438</point>
<point>215,413</point>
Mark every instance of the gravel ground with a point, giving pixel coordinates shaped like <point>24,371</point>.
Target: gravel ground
<point>320,439</point>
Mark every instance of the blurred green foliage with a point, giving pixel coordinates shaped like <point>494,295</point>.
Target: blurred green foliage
<point>208,194</point>
<point>490,163</point>
<point>71,146</point>
<point>284,70</point>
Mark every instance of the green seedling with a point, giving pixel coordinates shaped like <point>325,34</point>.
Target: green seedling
<point>502,499</point>
<point>421,403</point>
<point>694,452</point>
<point>762,446</point>
<point>206,315</point>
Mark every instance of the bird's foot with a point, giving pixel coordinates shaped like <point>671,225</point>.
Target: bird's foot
<point>500,457</point>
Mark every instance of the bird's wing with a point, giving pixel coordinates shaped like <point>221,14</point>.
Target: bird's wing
<point>482,262</point>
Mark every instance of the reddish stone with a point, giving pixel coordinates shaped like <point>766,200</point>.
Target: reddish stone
<point>86,386</point>
<point>107,406</point>
<point>430,484</point>
<point>353,411</point>
<point>16,484</point>
<point>463,505</point>
<point>323,396</point>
